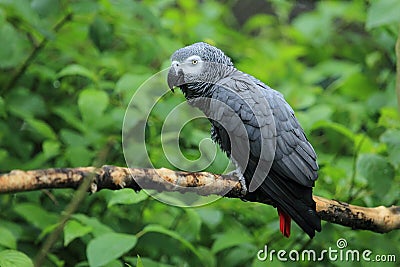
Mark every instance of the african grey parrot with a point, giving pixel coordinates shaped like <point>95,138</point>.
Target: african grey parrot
<point>256,128</point>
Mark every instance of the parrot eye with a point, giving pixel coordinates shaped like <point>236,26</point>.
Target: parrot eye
<point>193,60</point>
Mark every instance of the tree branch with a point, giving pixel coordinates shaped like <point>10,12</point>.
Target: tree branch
<point>378,219</point>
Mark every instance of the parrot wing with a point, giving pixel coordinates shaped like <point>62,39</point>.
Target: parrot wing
<point>270,124</point>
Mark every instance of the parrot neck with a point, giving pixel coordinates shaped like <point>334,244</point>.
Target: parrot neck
<point>205,87</point>
<point>198,95</point>
<point>196,90</point>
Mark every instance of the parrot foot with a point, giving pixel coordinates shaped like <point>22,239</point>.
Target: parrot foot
<point>241,179</point>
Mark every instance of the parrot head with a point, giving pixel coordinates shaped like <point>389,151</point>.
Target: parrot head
<point>198,62</point>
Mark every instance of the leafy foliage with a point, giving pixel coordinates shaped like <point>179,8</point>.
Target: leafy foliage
<point>69,69</point>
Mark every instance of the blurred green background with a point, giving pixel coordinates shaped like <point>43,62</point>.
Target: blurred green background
<point>70,68</point>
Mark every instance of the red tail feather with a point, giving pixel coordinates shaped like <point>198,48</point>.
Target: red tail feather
<point>284,223</point>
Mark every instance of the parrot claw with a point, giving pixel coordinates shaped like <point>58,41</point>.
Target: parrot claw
<point>243,184</point>
<point>242,181</point>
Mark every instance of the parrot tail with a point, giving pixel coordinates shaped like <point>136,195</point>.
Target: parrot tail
<point>284,222</point>
<point>295,202</point>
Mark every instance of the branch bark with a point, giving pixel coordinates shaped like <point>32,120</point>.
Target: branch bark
<point>378,219</point>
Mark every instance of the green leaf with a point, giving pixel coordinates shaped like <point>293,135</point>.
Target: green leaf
<point>101,33</point>
<point>378,172</point>
<point>72,138</point>
<point>336,127</point>
<point>126,196</point>
<point>51,148</point>
<point>92,104</point>
<point>21,9</point>
<point>16,228</point>
<point>74,69</point>
<point>240,255</point>
<point>46,8</point>
<point>116,263</point>
<point>139,262</point>
<point>55,260</point>
<point>110,246</point>
<point>229,239</point>
<point>189,226</point>
<point>147,262</point>
<point>314,24</point>
<point>209,258</point>
<point>74,229</point>
<point>155,228</point>
<point>36,215</point>
<point>313,115</point>
<point>71,117</point>
<point>84,7</point>
<point>25,104</point>
<point>392,138</point>
<point>7,239</point>
<point>3,155</point>
<point>13,46</point>
<point>357,79</point>
<point>389,117</point>
<point>47,230</point>
<point>383,12</point>
<point>302,98</point>
<point>78,156</point>
<point>2,107</point>
<point>211,217</point>
<point>42,128</point>
<point>98,227</point>
<point>130,82</point>
<point>13,258</point>
<point>43,72</point>
<point>257,22</point>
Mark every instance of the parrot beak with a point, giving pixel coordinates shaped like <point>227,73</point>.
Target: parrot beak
<point>175,77</point>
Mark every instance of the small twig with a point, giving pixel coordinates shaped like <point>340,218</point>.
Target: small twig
<point>69,210</point>
<point>35,51</point>
<point>378,219</point>
<point>51,196</point>
<point>353,175</point>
